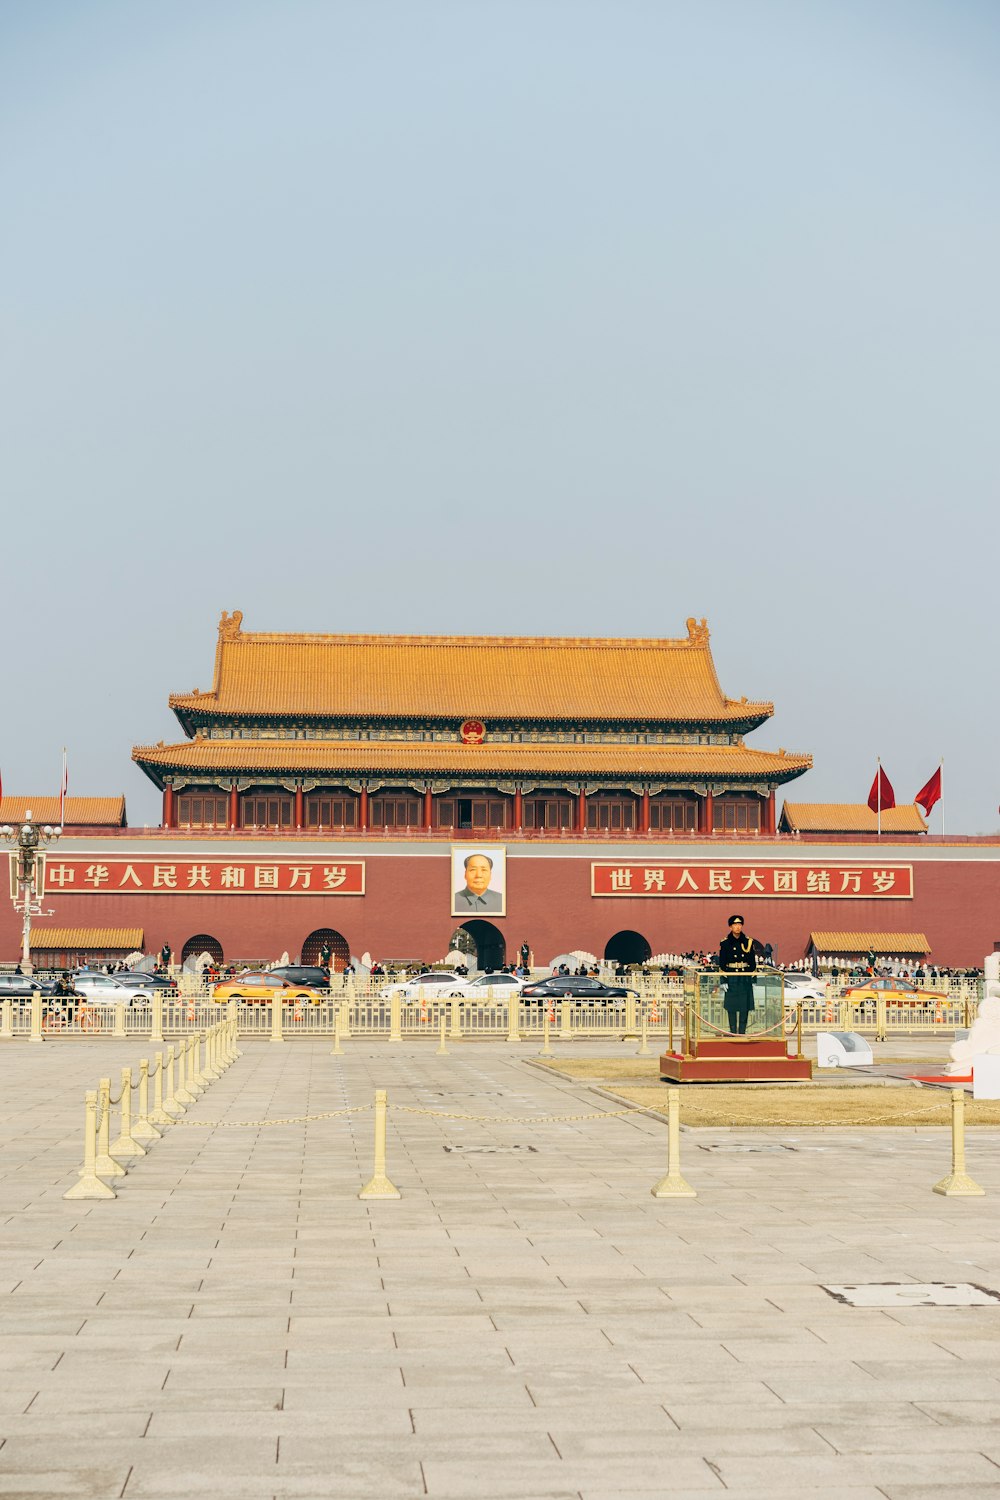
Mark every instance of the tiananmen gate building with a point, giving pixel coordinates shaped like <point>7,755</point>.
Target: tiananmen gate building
<point>401,795</point>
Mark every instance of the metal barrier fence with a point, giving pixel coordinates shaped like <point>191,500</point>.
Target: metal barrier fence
<point>372,1014</point>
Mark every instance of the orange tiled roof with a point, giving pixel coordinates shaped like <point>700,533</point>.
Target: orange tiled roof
<point>129,939</point>
<point>850,817</point>
<point>459,677</point>
<point>355,757</point>
<point>80,812</point>
<point>884,943</point>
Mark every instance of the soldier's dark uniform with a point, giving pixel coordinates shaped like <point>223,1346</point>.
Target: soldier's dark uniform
<point>738,960</point>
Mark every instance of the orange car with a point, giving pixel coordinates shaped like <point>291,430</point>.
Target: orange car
<point>265,988</point>
<point>893,992</point>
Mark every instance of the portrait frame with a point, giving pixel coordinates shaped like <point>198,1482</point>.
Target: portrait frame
<point>495,893</point>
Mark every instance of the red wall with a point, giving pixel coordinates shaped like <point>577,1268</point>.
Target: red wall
<point>405,913</point>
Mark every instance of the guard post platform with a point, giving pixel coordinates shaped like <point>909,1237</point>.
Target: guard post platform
<point>702,1049</point>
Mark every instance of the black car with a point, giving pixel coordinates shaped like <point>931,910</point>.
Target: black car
<point>22,986</point>
<point>574,987</point>
<point>137,980</point>
<point>316,978</point>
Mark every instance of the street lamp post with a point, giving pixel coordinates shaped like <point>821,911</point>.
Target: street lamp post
<point>27,886</point>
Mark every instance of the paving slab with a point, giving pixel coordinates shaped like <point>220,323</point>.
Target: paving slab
<point>530,1324</point>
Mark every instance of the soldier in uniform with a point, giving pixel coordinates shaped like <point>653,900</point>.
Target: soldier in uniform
<point>738,961</point>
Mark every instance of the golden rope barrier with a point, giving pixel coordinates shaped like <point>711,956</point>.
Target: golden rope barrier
<point>958,1183</point>
<point>379,1185</point>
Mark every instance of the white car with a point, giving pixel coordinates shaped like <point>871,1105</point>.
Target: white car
<point>110,989</point>
<point>803,987</point>
<point>487,987</point>
<point>431,982</point>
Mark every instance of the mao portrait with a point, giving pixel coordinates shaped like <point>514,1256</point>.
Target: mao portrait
<point>478,882</point>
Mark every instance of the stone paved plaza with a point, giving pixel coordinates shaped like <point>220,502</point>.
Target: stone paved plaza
<point>521,1324</point>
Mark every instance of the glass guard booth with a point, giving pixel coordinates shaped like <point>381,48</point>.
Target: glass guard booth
<point>715,1007</point>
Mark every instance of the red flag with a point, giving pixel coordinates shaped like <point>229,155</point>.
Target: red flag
<point>930,792</point>
<point>881,795</point>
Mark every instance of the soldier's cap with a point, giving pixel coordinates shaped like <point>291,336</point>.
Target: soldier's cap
<point>737,918</point>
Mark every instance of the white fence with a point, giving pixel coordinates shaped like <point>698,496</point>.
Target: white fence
<point>372,1014</point>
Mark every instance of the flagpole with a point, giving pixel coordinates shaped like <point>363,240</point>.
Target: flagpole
<point>941,766</point>
<point>878,793</point>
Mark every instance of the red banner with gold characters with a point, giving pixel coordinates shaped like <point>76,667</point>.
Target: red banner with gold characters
<point>837,882</point>
<point>200,877</point>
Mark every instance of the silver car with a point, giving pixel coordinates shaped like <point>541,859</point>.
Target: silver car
<point>110,989</point>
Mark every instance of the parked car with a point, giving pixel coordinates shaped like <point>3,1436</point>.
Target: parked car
<point>316,978</point>
<point>432,979</point>
<point>110,989</point>
<point>574,987</point>
<point>22,986</point>
<point>893,992</point>
<point>803,987</point>
<point>265,987</point>
<point>486,986</point>
<point>150,982</point>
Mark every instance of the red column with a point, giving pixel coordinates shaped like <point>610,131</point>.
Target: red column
<point>363,814</point>
<point>234,807</point>
<point>299,817</point>
<point>707,812</point>
<point>168,806</point>
<point>428,808</point>
<point>581,812</point>
<point>772,826</point>
<point>518,808</point>
<point>644,812</point>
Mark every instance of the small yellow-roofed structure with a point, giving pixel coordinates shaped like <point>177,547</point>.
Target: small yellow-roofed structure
<point>849,817</point>
<point>75,947</point>
<point>79,812</point>
<point>857,944</point>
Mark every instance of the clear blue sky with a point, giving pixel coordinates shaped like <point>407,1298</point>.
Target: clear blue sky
<point>540,318</point>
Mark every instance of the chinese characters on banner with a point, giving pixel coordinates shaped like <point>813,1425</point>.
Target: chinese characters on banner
<point>844,881</point>
<point>198,877</point>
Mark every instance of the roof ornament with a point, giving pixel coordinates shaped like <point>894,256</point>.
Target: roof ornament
<point>229,625</point>
<point>697,632</point>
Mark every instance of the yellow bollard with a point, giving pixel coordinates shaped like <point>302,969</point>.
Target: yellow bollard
<point>513,1017</point>
<point>211,1072</point>
<point>336,1050</point>
<point>200,1077</point>
<point>155,1017</point>
<point>126,1144</point>
<point>105,1165</point>
<point>276,1033</point>
<point>379,1186</point>
<point>546,1030</point>
<point>455,1005</point>
<point>183,1094</point>
<point>172,1105</point>
<point>344,1013</point>
<point>233,1011</point>
<point>442,1050</point>
<point>958,1183</point>
<point>36,1017</point>
<point>565,1020</point>
<point>158,1114</point>
<point>644,1038</point>
<point>7,1024</point>
<point>88,1184</point>
<point>119,1027</point>
<point>673,1185</point>
<point>144,1129</point>
<point>395,1018</point>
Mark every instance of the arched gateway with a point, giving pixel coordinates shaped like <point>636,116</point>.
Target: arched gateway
<point>340,949</point>
<point>627,947</point>
<point>202,943</point>
<point>482,940</point>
